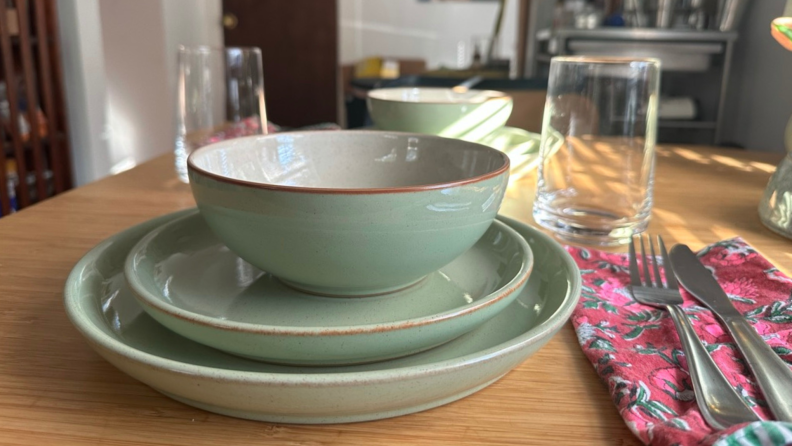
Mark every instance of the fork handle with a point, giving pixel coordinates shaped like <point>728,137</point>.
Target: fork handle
<point>720,405</point>
<point>770,371</point>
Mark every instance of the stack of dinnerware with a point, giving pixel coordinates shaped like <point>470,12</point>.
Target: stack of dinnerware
<point>327,277</point>
<point>471,115</point>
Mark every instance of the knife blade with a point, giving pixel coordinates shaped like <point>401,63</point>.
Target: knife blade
<point>699,281</point>
<point>771,372</point>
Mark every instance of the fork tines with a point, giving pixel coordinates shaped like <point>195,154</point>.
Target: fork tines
<point>635,272</point>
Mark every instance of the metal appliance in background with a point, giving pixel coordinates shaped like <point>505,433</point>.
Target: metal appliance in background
<point>694,39</point>
<point>720,15</point>
<point>730,13</point>
<point>665,13</point>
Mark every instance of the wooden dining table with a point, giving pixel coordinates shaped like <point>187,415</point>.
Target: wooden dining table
<point>55,390</point>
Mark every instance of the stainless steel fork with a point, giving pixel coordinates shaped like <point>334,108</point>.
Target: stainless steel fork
<point>719,403</point>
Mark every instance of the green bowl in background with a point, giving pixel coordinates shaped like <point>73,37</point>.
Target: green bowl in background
<point>469,115</point>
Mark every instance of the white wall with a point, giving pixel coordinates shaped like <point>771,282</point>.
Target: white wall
<point>415,29</point>
<point>139,106</point>
<point>119,69</point>
<point>189,22</point>
<point>86,96</point>
<point>141,38</point>
<point>759,102</point>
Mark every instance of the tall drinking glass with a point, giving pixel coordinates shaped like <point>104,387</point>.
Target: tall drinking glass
<point>220,96</point>
<point>598,138</point>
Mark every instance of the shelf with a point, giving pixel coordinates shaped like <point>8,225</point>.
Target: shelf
<point>28,145</point>
<point>646,34</point>
<point>703,125</point>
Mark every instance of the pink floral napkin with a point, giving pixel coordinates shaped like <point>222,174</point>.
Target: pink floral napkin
<point>636,352</point>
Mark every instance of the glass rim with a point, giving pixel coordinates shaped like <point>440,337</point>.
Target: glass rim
<point>606,60</point>
<point>207,49</point>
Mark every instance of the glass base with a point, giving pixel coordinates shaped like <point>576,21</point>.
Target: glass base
<point>589,226</point>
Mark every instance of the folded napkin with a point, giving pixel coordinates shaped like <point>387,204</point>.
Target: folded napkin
<point>636,352</point>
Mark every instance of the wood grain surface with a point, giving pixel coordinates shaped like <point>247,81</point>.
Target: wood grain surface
<point>55,390</point>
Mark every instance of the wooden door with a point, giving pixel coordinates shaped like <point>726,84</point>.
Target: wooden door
<point>299,46</point>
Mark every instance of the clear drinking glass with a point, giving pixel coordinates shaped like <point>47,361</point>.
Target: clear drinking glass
<point>220,96</point>
<point>598,137</point>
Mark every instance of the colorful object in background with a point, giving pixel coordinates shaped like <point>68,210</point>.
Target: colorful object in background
<point>23,124</point>
<point>229,130</point>
<point>775,208</point>
<point>377,67</point>
<point>781,30</point>
<point>636,352</point>
<point>13,182</point>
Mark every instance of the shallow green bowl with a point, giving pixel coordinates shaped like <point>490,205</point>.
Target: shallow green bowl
<point>190,282</point>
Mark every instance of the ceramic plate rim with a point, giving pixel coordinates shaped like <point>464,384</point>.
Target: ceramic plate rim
<point>191,167</point>
<point>498,95</point>
<point>95,335</point>
<point>146,297</point>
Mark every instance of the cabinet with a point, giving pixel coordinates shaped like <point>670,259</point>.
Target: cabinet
<point>34,152</point>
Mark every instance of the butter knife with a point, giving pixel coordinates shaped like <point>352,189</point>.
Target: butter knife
<point>771,372</point>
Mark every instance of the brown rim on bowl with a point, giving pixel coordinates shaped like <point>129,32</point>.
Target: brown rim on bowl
<point>498,95</point>
<point>351,191</point>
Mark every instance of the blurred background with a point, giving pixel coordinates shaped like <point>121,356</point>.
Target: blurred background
<point>725,82</point>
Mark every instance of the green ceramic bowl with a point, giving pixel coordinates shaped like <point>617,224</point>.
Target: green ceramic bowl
<point>348,212</point>
<point>187,280</point>
<point>471,115</point>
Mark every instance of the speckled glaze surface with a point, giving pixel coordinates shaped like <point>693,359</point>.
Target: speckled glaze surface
<point>348,213</point>
<point>775,209</point>
<point>187,279</point>
<point>439,111</point>
<point>105,312</point>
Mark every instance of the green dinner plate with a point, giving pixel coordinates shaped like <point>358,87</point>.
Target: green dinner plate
<point>104,310</point>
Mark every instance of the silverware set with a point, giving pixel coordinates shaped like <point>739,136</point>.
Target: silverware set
<point>720,404</point>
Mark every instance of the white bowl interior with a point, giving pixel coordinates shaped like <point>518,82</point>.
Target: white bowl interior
<point>435,95</point>
<point>347,160</point>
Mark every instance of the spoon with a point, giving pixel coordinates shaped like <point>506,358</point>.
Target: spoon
<point>467,85</point>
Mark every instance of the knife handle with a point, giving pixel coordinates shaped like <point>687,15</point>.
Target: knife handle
<point>771,372</point>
